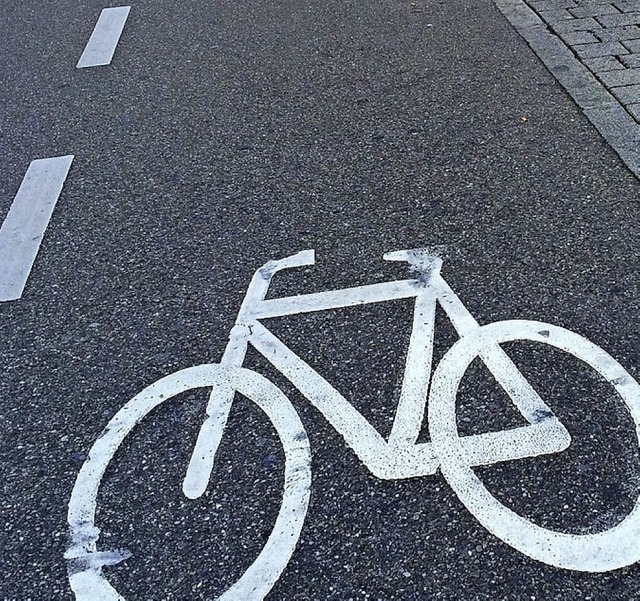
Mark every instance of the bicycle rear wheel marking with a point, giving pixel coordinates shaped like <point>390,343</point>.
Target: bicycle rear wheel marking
<point>604,551</point>
<point>85,561</point>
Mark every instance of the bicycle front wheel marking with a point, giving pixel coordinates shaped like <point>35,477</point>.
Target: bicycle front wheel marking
<point>600,552</point>
<point>85,561</point>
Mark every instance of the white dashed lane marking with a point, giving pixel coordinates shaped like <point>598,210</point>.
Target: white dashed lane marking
<point>104,39</point>
<point>25,224</point>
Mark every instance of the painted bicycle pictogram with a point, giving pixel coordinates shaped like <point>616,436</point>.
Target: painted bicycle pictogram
<point>396,457</point>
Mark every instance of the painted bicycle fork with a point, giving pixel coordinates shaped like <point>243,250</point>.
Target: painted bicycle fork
<point>400,455</point>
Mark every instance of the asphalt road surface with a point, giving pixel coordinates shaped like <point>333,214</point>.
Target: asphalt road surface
<point>226,134</point>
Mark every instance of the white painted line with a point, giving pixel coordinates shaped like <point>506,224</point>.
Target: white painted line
<point>602,551</point>
<point>85,561</point>
<point>25,224</point>
<point>104,39</point>
<point>400,456</point>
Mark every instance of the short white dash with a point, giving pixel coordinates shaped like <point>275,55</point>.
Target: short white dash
<point>27,220</point>
<point>104,39</point>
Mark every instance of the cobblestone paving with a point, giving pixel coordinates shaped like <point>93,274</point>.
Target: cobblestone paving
<point>605,36</point>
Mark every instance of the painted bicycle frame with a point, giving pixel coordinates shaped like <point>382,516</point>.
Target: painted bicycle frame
<point>400,455</point>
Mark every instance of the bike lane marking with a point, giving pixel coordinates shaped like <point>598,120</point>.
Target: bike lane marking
<point>104,39</point>
<point>23,229</point>
<point>400,457</point>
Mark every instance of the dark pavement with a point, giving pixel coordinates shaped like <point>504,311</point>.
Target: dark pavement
<point>225,134</point>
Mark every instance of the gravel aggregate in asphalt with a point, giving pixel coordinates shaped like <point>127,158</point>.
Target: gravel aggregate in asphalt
<point>224,135</point>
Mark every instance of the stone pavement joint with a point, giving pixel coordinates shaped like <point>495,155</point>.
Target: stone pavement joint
<point>624,77</point>
<point>609,31</point>
<point>632,61</point>
<point>626,94</point>
<point>620,19</point>
<point>600,49</point>
<point>616,29</point>
<point>628,6</point>
<point>618,34</point>
<point>586,24</point>
<point>594,10</point>
<point>578,37</point>
<point>593,50</point>
<point>603,63</point>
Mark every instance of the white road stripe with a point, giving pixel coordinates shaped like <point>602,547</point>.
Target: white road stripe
<point>27,220</point>
<point>104,39</point>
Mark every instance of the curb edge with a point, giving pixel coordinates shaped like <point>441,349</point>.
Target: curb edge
<point>608,116</point>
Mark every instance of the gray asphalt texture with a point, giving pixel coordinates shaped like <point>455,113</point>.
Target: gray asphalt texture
<point>225,134</point>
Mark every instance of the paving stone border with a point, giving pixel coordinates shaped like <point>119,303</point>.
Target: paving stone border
<point>593,49</point>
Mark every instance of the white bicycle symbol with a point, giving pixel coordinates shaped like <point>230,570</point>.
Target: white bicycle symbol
<point>399,456</point>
